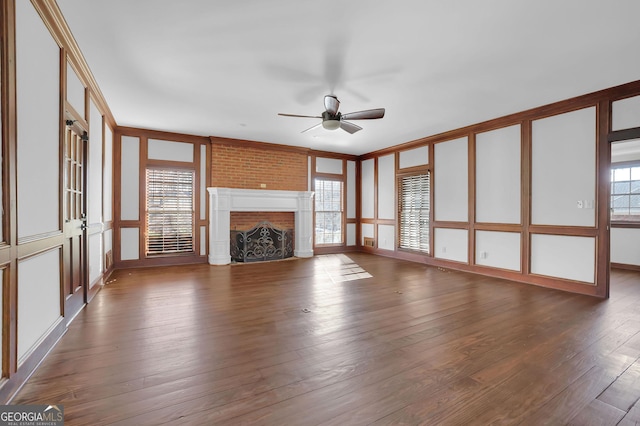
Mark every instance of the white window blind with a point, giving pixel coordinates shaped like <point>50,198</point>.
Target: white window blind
<point>169,211</point>
<point>414,212</point>
<point>328,211</point>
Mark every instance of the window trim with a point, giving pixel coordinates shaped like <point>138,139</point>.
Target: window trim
<point>194,225</point>
<point>334,178</point>
<point>400,174</point>
<point>622,223</point>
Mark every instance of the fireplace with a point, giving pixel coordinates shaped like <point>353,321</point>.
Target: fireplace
<point>261,243</point>
<point>222,201</point>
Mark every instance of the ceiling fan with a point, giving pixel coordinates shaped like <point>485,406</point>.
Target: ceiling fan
<point>332,119</point>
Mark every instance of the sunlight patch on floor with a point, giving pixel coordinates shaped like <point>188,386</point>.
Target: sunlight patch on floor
<point>341,268</point>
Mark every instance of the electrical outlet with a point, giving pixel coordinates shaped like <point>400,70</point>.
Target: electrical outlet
<point>483,255</point>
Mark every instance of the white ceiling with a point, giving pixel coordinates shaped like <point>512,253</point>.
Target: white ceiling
<point>226,68</point>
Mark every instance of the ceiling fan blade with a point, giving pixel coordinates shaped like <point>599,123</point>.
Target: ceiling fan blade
<point>331,104</point>
<point>368,114</point>
<point>311,128</point>
<point>296,115</point>
<point>349,127</point>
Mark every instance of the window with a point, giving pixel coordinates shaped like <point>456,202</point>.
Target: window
<point>169,211</point>
<point>328,211</point>
<point>414,212</point>
<point>625,193</point>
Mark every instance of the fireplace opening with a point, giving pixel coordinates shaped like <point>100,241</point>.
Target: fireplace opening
<point>263,242</point>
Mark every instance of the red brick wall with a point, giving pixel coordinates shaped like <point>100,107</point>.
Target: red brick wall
<point>236,166</point>
<point>247,167</point>
<point>242,221</point>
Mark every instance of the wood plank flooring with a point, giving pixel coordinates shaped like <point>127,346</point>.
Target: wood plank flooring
<point>316,341</point>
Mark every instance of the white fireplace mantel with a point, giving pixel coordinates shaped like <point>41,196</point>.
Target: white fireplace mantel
<point>223,201</point>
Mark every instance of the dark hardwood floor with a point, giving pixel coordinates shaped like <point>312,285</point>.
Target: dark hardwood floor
<point>316,341</point>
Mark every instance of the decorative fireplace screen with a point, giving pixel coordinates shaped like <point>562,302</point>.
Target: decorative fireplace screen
<point>260,243</point>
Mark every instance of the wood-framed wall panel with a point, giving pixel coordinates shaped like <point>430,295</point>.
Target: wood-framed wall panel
<point>525,195</point>
<point>590,99</point>
<point>117,199</point>
<point>55,22</point>
<point>432,211</point>
<point>471,198</point>
<point>603,197</point>
<point>14,249</point>
<point>142,195</point>
<point>144,162</point>
<point>601,100</point>
<point>376,188</point>
<point>399,174</point>
<point>9,182</point>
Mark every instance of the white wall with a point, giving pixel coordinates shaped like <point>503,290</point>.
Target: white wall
<point>366,231</point>
<point>625,113</point>
<point>351,190</point>
<point>96,267</point>
<point>95,144</point>
<point>625,246</point>
<point>351,202</point>
<point>329,165</point>
<point>387,237</point>
<point>38,121</point>
<point>451,180</point>
<point>203,186</point>
<point>386,187</point>
<point>38,299</point>
<point>367,189</point>
<point>498,178</point>
<point>351,234</point>
<point>129,187</point>
<point>203,241</point>
<point>414,157</point>
<point>75,91</point>
<point>564,169</point>
<point>129,244</point>
<point>107,180</point>
<point>451,244</point>
<point>158,149</point>
<point>562,256</point>
<point>498,249</point>
<point>108,240</point>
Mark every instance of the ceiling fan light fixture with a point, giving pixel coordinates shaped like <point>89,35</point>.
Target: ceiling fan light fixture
<point>332,119</point>
<point>331,124</point>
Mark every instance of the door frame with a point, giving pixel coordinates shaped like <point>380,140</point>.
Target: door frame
<point>613,137</point>
<point>79,126</point>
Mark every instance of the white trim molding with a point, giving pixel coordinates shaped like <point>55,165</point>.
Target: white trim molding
<point>223,201</point>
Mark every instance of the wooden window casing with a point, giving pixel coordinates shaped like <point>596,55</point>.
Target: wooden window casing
<point>414,211</point>
<point>169,211</point>
<point>329,211</point>
<point>625,193</point>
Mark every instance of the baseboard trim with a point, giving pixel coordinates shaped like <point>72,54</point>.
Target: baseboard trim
<point>625,266</point>
<point>18,379</point>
